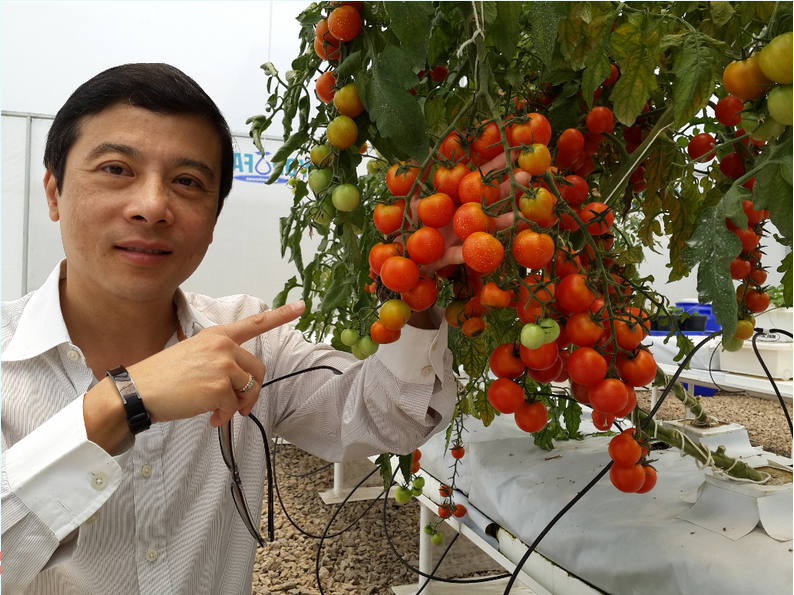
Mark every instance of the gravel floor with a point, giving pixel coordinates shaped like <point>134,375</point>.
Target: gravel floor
<point>361,561</point>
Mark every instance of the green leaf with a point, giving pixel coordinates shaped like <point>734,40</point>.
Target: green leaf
<point>545,18</point>
<point>350,66</point>
<point>721,12</point>
<point>484,411</point>
<point>405,466</point>
<point>436,115</point>
<point>773,189</point>
<point>543,439</point>
<point>505,29</point>
<point>394,110</point>
<point>581,37</point>
<point>636,51</point>
<point>410,22</point>
<point>290,146</point>
<point>594,75</point>
<point>384,463</point>
<point>712,248</point>
<point>697,68</point>
<point>281,297</point>
<point>572,417</point>
<point>732,205</point>
<point>785,268</point>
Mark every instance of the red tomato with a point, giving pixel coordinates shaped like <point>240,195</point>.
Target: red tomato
<point>380,252</point>
<point>493,297</point>
<point>382,335</point>
<point>580,392</point>
<point>602,421</point>
<point>400,184</point>
<point>650,480</point>
<point>399,273</point>
<point>504,362</point>
<point>422,296</point>
<point>597,216</point>
<point>439,73</point>
<point>425,245</point>
<point>700,145</point>
<point>727,110</point>
<point>470,218</point>
<point>436,210</point>
<point>533,250</point>
<point>624,450</point>
<point>472,188</point>
<point>639,371</point>
<point>448,180</point>
<point>631,403</point>
<point>489,144</point>
<point>756,301</point>
<point>549,374</point>
<point>582,330</point>
<point>586,366</point>
<point>744,79</point>
<point>609,396</point>
<point>482,252</point>
<point>458,452</point>
<point>542,291</point>
<point>344,23</point>
<point>570,143</point>
<point>566,262</point>
<point>613,76</point>
<point>452,148</point>
<point>541,358</point>
<point>389,218</point>
<point>473,327</point>
<point>627,479</point>
<point>748,238</point>
<point>539,208</point>
<point>532,417</point>
<point>575,191</point>
<point>573,293</point>
<point>325,87</point>
<point>536,130</point>
<point>599,120</point>
<point>505,396</point>
<point>731,165</point>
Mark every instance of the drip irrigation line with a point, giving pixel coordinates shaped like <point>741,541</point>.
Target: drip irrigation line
<point>306,533</point>
<point>714,382</point>
<point>440,560</point>
<point>769,376</point>
<point>431,575</point>
<point>325,535</point>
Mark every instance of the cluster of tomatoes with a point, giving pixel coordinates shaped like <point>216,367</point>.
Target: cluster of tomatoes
<point>630,471</point>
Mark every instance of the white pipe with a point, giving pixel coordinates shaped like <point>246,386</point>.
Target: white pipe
<point>425,551</point>
<point>339,479</point>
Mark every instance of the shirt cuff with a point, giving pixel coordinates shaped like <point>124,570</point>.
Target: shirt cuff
<point>417,356</point>
<point>59,474</point>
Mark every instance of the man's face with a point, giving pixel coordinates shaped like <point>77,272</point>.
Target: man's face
<point>138,202</point>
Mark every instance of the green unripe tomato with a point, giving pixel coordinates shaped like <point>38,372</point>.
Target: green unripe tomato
<point>551,330</point>
<point>416,491</point>
<point>419,482</point>
<point>345,197</point>
<point>367,345</point>
<point>775,59</point>
<point>779,103</point>
<point>321,155</point>
<point>732,344</point>
<point>374,166</point>
<point>437,538</point>
<point>325,212</point>
<point>319,179</point>
<point>768,130</point>
<point>429,530</point>
<point>292,182</point>
<point>402,495</point>
<point>349,337</point>
<point>532,336</point>
<point>357,352</point>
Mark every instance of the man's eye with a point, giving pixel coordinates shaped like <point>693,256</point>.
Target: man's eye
<point>186,181</point>
<point>116,170</point>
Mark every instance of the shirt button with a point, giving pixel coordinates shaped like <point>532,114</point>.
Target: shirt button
<point>90,520</point>
<point>427,370</point>
<point>73,355</point>
<point>146,471</point>
<point>434,346</point>
<point>151,555</point>
<point>99,480</point>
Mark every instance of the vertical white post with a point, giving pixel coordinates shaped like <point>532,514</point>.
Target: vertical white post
<point>425,548</point>
<point>339,479</point>
<point>654,396</point>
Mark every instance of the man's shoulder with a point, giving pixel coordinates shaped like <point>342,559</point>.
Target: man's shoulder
<point>225,309</point>
<point>11,312</point>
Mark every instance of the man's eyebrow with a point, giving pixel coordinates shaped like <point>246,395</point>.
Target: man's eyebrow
<point>105,148</point>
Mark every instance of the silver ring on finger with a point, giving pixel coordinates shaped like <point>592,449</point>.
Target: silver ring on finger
<point>249,385</point>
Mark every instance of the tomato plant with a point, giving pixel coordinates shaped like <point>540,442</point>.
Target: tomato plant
<point>527,174</point>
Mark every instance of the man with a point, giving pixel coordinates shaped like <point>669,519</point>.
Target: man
<point>139,161</point>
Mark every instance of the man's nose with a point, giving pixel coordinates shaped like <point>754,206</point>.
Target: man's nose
<point>151,202</point>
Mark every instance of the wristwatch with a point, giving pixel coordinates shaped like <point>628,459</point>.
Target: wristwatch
<point>137,417</point>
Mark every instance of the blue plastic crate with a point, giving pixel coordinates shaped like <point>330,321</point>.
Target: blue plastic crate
<point>701,391</point>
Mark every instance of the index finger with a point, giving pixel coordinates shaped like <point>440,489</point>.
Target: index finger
<point>246,329</point>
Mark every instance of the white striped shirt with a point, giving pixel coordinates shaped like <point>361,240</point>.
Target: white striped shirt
<point>159,518</point>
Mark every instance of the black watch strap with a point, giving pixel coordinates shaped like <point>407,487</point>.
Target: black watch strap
<point>137,417</point>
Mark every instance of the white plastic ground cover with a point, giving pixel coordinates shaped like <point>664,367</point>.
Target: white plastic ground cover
<point>620,543</point>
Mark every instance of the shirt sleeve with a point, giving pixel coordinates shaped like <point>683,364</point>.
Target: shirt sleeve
<point>53,480</point>
<point>391,402</point>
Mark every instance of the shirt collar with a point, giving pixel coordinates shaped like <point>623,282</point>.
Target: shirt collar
<point>41,326</point>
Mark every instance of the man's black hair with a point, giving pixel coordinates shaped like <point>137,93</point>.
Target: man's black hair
<point>159,88</point>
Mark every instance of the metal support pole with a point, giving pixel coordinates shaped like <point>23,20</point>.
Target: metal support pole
<point>654,397</point>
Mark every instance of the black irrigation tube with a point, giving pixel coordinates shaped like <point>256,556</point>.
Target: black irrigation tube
<point>769,376</point>
<point>299,475</point>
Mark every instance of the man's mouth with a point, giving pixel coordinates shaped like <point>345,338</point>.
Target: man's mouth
<point>144,251</point>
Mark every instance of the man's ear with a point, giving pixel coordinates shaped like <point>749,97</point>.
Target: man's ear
<point>53,196</point>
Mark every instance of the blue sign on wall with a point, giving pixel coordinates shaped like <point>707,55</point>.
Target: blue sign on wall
<point>252,167</point>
